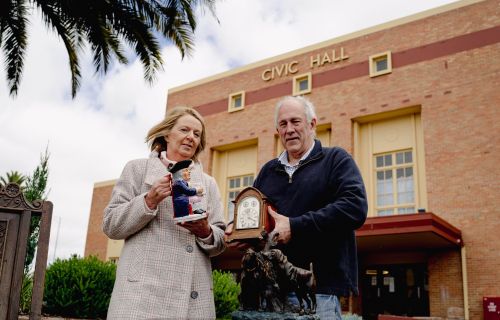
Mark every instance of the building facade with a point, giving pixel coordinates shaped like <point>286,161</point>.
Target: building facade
<point>416,101</point>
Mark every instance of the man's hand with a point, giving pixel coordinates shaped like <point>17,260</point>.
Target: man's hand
<point>282,232</point>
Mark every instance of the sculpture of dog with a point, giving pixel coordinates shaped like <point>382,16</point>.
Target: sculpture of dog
<point>292,278</point>
<point>266,279</point>
<point>258,283</point>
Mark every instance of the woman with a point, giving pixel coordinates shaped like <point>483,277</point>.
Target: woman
<point>164,270</point>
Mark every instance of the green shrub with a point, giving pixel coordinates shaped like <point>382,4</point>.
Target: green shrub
<point>226,292</point>
<point>79,287</point>
<point>26,292</point>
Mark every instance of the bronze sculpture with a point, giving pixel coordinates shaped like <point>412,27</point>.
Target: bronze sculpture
<point>266,279</point>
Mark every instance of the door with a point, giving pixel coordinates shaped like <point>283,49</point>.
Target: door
<point>397,289</point>
<point>9,225</point>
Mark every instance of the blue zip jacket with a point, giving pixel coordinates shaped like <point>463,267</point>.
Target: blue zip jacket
<point>325,200</point>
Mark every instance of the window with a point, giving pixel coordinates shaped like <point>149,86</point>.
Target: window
<point>236,101</point>
<point>302,84</point>
<point>235,185</point>
<point>389,150</point>
<point>380,64</point>
<point>114,259</point>
<point>395,183</point>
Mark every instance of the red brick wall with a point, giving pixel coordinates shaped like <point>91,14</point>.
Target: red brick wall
<point>445,282</point>
<point>97,241</point>
<point>462,146</point>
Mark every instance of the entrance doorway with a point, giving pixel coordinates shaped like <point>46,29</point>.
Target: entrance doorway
<point>396,289</point>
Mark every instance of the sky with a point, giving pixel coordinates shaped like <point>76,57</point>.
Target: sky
<point>91,137</point>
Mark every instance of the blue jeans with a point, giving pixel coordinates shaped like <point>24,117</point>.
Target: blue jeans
<point>328,306</point>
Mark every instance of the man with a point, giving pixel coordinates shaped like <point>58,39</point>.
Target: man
<point>320,200</point>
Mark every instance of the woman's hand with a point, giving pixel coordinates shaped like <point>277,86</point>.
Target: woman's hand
<point>161,189</point>
<point>199,228</point>
<point>241,246</point>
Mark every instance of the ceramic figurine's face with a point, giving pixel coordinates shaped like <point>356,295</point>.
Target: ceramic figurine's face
<point>184,138</point>
<point>186,174</point>
<point>248,215</point>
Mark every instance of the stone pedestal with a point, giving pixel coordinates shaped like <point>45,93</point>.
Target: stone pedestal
<point>258,315</point>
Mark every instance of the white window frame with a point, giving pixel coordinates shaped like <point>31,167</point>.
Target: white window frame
<point>373,63</point>
<point>395,207</point>
<point>296,84</point>
<point>232,101</point>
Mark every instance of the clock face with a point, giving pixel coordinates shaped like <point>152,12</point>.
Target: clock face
<point>248,213</point>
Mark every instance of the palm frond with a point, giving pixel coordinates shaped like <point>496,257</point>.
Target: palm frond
<point>54,18</point>
<point>138,35</point>
<point>187,8</point>
<point>182,36</point>
<point>14,41</point>
<point>94,21</point>
<point>175,25</point>
<point>13,177</point>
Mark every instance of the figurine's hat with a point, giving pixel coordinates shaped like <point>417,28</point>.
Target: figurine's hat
<point>179,166</point>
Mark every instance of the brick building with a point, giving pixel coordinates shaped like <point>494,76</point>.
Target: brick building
<point>416,101</point>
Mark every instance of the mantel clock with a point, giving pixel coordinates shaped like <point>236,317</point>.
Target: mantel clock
<point>251,219</point>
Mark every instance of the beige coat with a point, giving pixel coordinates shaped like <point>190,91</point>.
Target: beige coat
<point>164,271</point>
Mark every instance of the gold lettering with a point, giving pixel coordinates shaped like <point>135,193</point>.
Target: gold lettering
<point>326,59</point>
<point>334,55</point>
<point>342,55</point>
<point>279,71</point>
<point>265,75</point>
<point>315,61</point>
<point>292,67</point>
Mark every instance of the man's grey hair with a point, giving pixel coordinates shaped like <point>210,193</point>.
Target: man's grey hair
<point>306,103</point>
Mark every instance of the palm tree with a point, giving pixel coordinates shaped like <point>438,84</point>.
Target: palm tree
<point>105,25</point>
<point>13,177</point>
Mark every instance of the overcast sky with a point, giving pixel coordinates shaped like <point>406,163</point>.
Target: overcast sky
<point>91,137</point>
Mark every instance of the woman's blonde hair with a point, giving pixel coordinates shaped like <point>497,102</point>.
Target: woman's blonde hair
<point>156,135</point>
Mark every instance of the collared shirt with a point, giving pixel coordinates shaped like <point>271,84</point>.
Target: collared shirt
<point>167,162</point>
<point>290,169</point>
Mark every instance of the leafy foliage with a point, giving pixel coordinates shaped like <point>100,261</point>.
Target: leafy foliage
<point>226,292</point>
<point>26,292</point>
<point>35,189</point>
<point>105,26</point>
<point>37,182</point>
<point>79,287</point>
<point>13,177</point>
